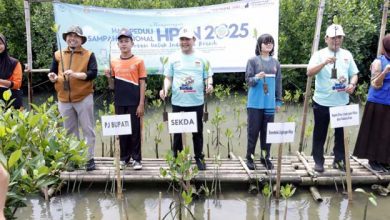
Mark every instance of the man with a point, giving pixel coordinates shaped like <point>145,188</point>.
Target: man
<point>331,90</point>
<point>129,75</point>
<point>4,178</point>
<point>72,72</point>
<point>189,73</point>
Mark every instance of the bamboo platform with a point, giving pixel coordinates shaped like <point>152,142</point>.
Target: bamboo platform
<point>296,169</point>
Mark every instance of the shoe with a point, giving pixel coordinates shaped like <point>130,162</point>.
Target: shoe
<point>90,165</point>
<point>200,164</point>
<point>250,164</point>
<point>70,167</point>
<point>137,165</point>
<point>267,163</point>
<point>340,166</point>
<point>376,166</point>
<point>385,166</point>
<point>319,168</point>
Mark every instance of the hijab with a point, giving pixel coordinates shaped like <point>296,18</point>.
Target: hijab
<point>7,63</point>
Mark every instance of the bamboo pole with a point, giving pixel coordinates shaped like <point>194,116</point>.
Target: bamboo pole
<point>29,50</point>
<point>316,194</point>
<point>316,40</point>
<point>347,164</point>
<point>279,170</point>
<point>383,26</point>
<point>306,165</point>
<point>368,168</point>
<point>159,205</point>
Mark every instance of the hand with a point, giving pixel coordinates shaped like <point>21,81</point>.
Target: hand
<point>140,110</point>
<point>209,89</point>
<point>107,72</point>
<point>52,77</point>
<point>387,69</point>
<point>330,60</point>
<point>350,88</point>
<point>163,94</point>
<point>260,75</point>
<point>277,109</point>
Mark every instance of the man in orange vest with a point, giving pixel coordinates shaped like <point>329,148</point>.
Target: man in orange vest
<point>72,72</point>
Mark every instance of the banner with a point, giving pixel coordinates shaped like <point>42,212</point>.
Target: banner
<point>225,33</point>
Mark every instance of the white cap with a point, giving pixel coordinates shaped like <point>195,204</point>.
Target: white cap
<point>334,30</point>
<point>186,32</point>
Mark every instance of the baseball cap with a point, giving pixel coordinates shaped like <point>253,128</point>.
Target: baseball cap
<point>124,32</point>
<point>77,30</point>
<point>334,30</point>
<point>186,32</point>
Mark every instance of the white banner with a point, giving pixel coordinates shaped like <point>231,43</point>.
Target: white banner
<point>344,116</point>
<point>280,132</point>
<point>182,122</point>
<point>226,33</point>
<point>116,125</point>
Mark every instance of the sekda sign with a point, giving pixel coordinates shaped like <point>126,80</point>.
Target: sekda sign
<point>182,122</point>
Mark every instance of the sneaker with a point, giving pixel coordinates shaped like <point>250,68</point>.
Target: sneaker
<point>90,165</point>
<point>376,166</point>
<point>200,164</point>
<point>386,167</point>
<point>340,166</point>
<point>250,164</point>
<point>267,163</point>
<point>319,168</point>
<point>137,165</point>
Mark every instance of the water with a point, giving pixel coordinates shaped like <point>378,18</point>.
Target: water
<point>235,204</point>
<point>141,202</point>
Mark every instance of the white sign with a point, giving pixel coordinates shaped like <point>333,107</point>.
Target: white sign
<point>220,30</point>
<point>182,122</point>
<point>116,125</point>
<point>280,132</point>
<point>344,116</point>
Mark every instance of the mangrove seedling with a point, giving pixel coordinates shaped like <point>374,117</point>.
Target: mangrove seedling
<point>229,136</point>
<point>266,192</point>
<point>216,122</point>
<point>370,198</point>
<point>286,192</point>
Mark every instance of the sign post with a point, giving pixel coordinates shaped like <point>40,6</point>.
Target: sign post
<point>280,133</point>
<point>344,116</point>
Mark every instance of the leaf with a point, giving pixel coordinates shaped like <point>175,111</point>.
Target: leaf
<point>360,190</point>
<point>15,156</point>
<point>373,201</point>
<point>7,95</point>
<point>55,28</point>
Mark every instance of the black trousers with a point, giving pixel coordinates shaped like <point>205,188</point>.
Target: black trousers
<point>321,123</point>
<point>257,124</point>
<point>130,144</point>
<point>197,138</point>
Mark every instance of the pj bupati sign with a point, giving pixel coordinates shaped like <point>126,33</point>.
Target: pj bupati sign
<point>225,33</point>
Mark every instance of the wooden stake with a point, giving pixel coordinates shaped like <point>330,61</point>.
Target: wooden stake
<point>320,13</point>
<point>118,172</point>
<point>159,206</point>
<point>29,50</point>
<point>347,164</point>
<point>383,26</point>
<point>279,171</point>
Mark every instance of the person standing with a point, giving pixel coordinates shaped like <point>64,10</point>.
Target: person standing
<point>373,140</point>
<point>72,72</point>
<point>129,76</point>
<point>10,74</point>
<point>331,90</point>
<point>264,79</point>
<point>190,75</point>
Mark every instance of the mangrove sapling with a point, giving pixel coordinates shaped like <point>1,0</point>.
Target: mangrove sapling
<point>292,118</point>
<point>370,198</point>
<point>229,136</point>
<point>157,138</point>
<point>308,133</point>
<point>208,143</point>
<point>286,192</point>
<point>287,98</point>
<point>267,192</point>
<point>216,121</point>
<point>180,171</point>
<point>216,183</point>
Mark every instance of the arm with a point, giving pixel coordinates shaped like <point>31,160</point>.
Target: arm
<point>141,105</point>
<point>250,75</point>
<point>377,76</point>
<point>166,85</point>
<point>15,81</point>
<point>313,70</point>
<point>53,71</point>
<point>91,70</point>
<point>352,84</point>
<point>278,88</point>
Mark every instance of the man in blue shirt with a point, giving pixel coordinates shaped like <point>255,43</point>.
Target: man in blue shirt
<point>331,90</point>
<point>189,73</point>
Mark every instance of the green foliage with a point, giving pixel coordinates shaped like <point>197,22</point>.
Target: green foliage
<point>34,149</point>
<point>370,198</point>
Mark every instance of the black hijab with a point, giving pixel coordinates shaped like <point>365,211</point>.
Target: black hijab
<point>7,63</point>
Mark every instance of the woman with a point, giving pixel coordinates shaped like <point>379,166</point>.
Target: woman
<point>264,79</point>
<point>10,75</point>
<point>374,134</point>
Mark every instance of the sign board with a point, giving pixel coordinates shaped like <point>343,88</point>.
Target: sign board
<point>116,125</point>
<point>280,132</point>
<point>344,116</point>
<point>182,122</point>
<point>220,30</point>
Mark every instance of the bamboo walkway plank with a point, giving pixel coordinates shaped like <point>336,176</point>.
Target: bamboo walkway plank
<point>294,170</point>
